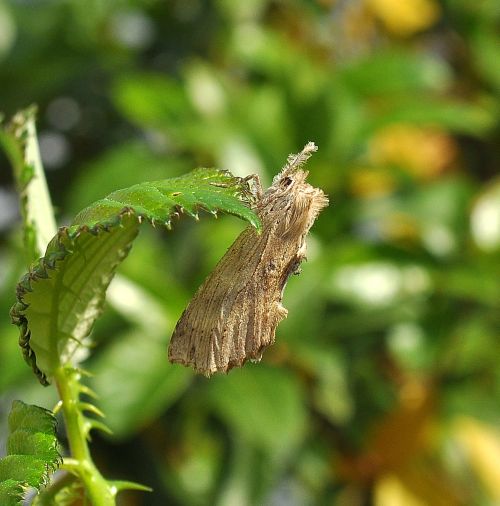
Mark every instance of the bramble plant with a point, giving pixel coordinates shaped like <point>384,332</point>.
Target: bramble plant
<point>62,295</point>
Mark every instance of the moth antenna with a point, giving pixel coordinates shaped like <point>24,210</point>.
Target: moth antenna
<point>294,162</point>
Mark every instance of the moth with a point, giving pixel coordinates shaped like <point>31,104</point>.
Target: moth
<point>234,314</point>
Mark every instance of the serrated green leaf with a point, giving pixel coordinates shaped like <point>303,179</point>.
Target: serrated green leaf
<point>212,190</point>
<point>31,418</point>
<point>11,493</point>
<point>62,295</point>
<point>32,452</point>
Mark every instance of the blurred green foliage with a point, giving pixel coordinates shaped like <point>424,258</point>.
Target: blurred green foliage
<point>383,386</point>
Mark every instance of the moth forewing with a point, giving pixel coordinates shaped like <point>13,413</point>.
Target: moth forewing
<point>234,314</point>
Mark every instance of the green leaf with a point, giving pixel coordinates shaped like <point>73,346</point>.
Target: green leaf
<point>263,405</point>
<point>212,190</point>
<point>20,143</point>
<point>132,383</point>
<point>61,296</point>
<point>459,117</point>
<point>154,100</point>
<point>484,47</point>
<point>31,452</point>
<point>393,71</point>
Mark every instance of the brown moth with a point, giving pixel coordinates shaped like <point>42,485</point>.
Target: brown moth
<point>234,314</point>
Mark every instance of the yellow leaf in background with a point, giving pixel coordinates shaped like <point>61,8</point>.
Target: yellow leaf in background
<point>482,444</point>
<point>391,491</point>
<point>422,152</point>
<point>405,17</point>
<point>398,438</point>
<point>371,182</point>
<point>401,434</point>
<point>400,226</point>
<point>419,484</point>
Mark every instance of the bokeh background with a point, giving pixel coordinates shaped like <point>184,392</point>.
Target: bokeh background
<point>383,386</point>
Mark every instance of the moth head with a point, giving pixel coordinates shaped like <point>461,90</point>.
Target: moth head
<point>286,182</point>
<point>291,203</point>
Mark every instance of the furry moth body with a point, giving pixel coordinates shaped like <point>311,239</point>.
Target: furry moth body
<point>234,314</point>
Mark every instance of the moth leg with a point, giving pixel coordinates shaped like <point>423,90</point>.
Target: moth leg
<point>301,253</point>
<point>282,311</point>
<point>254,185</point>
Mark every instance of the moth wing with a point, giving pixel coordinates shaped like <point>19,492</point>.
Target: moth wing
<point>211,333</point>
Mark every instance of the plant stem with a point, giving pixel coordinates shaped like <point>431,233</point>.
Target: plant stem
<point>20,144</point>
<point>98,490</point>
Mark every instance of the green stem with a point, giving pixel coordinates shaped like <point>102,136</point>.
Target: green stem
<point>99,491</point>
<point>20,144</point>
